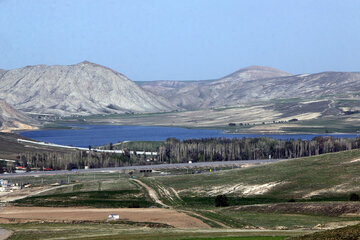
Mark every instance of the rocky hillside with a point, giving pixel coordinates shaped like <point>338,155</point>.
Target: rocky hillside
<point>255,84</point>
<point>80,89</point>
<point>11,119</point>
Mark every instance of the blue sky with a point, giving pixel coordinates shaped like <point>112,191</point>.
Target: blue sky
<point>182,39</point>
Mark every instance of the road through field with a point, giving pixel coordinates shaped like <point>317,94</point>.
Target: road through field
<point>147,167</point>
<point>152,193</point>
<point>154,196</point>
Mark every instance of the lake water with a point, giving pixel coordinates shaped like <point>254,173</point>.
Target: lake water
<point>97,135</point>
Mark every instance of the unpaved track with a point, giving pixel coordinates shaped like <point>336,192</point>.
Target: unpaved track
<point>152,193</point>
<point>24,193</point>
<point>156,215</point>
<point>206,218</point>
<point>155,197</point>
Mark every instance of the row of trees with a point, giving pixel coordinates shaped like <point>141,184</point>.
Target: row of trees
<point>222,149</point>
<point>74,160</point>
<point>195,150</point>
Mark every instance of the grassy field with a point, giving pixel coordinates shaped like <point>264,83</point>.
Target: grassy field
<point>329,114</point>
<point>312,182</point>
<point>271,196</point>
<point>328,125</point>
<point>256,220</point>
<point>130,231</point>
<point>99,193</point>
<point>347,233</point>
<point>293,179</point>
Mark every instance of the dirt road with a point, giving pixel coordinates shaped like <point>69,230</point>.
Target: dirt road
<point>155,197</point>
<point>152,193</point>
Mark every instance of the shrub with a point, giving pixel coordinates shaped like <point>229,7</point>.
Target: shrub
<point>134,205</point>
<point>354,197</point>
<point>221,201</point>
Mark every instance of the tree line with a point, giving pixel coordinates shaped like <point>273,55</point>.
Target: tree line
<point>195,150</point>
<point>223,149</point>
<point>72,160</point>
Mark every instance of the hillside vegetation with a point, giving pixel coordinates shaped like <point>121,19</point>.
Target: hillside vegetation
<point>347,233</point>
<point>300,195</point>
<point>328,176</point>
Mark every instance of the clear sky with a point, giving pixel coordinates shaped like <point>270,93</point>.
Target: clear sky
<point>182,39</point>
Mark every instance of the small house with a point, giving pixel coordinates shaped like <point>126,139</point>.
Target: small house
<point>113,217</point>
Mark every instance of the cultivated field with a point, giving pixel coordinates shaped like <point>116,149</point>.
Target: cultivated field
<point>287,198</point>
<point>169,217</point>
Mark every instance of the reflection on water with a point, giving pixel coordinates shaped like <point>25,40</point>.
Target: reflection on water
<point>97,135</point>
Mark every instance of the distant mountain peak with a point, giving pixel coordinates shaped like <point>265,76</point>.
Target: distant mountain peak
<point>87,62</point>
<point>91,64</point>
<point>262,68</point>
<point>255,72</point>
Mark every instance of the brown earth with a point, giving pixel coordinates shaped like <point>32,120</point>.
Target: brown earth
<point>156,215</point>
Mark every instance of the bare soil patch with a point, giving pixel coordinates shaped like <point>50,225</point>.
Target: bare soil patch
<point>241,189</point>
<point>156,215</point>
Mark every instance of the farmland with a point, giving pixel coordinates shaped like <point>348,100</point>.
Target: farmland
<point>286,198</point>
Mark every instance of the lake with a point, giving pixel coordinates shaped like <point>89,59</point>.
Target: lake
<point>97,135</point>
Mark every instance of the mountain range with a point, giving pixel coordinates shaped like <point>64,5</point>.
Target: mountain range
<point>87,88</point>
<point>253,84</point>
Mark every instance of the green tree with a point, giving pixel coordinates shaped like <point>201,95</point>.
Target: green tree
<point>221,201</point>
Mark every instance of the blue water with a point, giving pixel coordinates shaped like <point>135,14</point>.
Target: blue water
<point>96,135</point>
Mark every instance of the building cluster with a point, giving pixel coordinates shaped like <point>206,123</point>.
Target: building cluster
<point>6,186</point>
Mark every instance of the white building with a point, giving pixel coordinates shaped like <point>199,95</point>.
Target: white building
<point>113,217</point>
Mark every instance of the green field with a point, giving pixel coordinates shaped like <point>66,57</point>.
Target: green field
<point>321,183</point>
<point>130,231</point>
<point>347,233</point>
<point>294,179</point>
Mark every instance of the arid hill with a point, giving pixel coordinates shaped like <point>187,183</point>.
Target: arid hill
<point>11,119</point>
<point>253,84</point>
<point>80,89</point>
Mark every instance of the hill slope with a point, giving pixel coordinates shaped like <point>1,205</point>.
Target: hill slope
<point>11,119</point>
<point>333,175</point>
<point>84,88</point>
<point>255,83</point>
